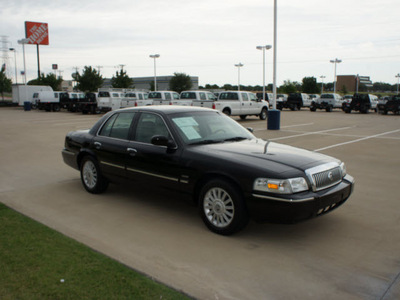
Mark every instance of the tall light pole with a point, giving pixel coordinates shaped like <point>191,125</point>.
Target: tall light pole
<point>239,65</point>
<point>335,61</point>
<point>322,83</point>
<point>23,42</point>
<point>398,77</point>
<point>155,56</point>
<point>15,63</point>
<point>263,48</point>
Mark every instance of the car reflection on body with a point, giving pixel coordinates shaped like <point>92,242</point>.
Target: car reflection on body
<point>232,175</point>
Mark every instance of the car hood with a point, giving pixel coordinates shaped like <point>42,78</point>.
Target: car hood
<point>260,153</point>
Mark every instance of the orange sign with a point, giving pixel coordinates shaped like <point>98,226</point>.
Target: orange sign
<point>37,33</point>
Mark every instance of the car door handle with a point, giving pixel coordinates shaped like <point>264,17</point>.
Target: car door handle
<point>131,151</point>
<point>97,145</point>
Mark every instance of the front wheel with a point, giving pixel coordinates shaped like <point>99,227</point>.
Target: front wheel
<point>92,179</point>
<point>222,207</point>
<point>264,114</point>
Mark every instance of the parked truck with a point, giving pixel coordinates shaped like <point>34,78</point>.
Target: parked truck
<point>110,99</point>
<point>243,104</point>
<point>200,98</point>
<point>24,93</point>
<point>50,100</point>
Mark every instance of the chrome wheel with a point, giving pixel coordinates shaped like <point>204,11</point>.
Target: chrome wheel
<point>89,174</point>
<point>218,207</point>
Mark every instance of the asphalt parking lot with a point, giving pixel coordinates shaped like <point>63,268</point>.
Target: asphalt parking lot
<point>351,253</point>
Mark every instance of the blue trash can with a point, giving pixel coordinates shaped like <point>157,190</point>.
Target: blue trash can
<point>27,106</point>
<point>274,119</point>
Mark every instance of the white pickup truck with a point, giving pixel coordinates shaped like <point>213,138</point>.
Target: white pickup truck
<point>163,97</point>
<point>109,99</point>
<point>198,98</point>
<point>243,104</point>
<point>135,98</point>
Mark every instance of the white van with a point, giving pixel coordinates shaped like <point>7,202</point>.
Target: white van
<point>109,100</point>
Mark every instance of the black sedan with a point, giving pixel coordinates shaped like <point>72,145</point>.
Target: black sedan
<point>232,175</point>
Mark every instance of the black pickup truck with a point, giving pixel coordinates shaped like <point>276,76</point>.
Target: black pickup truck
<point>393,105</point>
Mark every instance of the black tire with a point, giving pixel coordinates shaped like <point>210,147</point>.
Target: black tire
<point>328,109</point>
<point>347,110</point>
<point>92,179</point>
<point>226,111</point>
<point>313,108</point>
<point>56,107</point>
<point>222,207</point>
<point>243,117</point>
<point>264,114</point>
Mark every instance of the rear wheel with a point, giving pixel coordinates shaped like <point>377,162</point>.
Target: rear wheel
<point>227,111</point>
<point>243,117</point>
<point>92,179</point>
<point>222,207</point>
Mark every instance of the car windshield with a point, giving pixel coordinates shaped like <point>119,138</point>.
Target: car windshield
<point>208,127</point>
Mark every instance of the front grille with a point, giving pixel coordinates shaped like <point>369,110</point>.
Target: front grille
<point>324,176</point>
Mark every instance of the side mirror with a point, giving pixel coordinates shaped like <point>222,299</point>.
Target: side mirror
<point>160,140</point>
<point>250,129</point>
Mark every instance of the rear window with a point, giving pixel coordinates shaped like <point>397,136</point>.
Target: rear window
<point>104,94</point>
<point>228,96</point>
<point>188,95</point>
<point>155,95</point>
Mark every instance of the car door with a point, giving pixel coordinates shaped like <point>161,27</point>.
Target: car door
<point>111,143</point>
<point>153,164</point>
<point>246,104</point>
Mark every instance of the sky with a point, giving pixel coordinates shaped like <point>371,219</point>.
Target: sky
<point>207,38</point>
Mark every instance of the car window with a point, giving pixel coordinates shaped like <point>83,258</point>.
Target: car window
<point>118,126</point>
<point>245,97</point>
<point>176,96</point>
<point>167,96</point>
<point>203,96</point>
<point>211,96</point>
<point>253,97</point>
<point>228,96</point>
<point>149,125</point>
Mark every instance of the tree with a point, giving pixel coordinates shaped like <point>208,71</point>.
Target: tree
<point>180,82</point>
<point>5,83</point>
<point>121,80</point>
<point>288,87</point>
<point>50,80</point>
<point>310,85</point>
<point>89,81</point>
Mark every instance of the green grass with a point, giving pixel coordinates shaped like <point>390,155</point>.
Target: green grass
<point>34,259</point>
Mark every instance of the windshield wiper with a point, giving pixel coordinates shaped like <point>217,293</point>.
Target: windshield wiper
<point>204,142</point>
<point>236,138</point>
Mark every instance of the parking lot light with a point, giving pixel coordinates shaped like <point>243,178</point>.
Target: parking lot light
<point>263,48</point>
<point>239,65</point>
<point>155,56</point>
<point>322,83</point>
<point>398,77</point>
<point>23,42</point>
<point>15,59</point>
<point>335,61</point>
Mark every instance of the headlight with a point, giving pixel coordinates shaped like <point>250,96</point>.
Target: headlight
<point>281,186</point>
<point>343,169</point>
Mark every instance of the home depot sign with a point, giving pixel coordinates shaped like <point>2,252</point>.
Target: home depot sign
<point>37,33</point>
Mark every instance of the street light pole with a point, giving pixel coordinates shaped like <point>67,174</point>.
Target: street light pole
<point>239,65</point>
<point>322,83</point>
<point>23,42</point>
<point>335,61</point>
<point>15,60</point>
<point>398,77</point>
<point>263,48</point>
<point>155,56</point>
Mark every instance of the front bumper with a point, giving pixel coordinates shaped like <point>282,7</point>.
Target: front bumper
<point>299,207</point>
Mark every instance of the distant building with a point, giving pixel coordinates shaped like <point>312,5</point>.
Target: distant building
<point>66,86</point>
<point>145,83</point>
<point>350,82</point>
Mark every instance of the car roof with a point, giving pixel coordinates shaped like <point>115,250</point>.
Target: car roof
<point>168,109</point>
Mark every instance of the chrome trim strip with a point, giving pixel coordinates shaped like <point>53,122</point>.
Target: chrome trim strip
<point>112,165</point>
<point>283,200</point>
<point>152,174</point>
